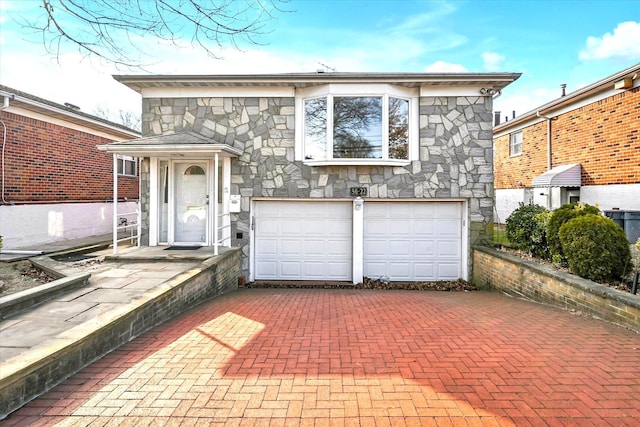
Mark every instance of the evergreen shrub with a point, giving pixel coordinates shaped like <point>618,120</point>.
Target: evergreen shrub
<point>595,247</point>
<point>559,217</point>
<point>522,226</point>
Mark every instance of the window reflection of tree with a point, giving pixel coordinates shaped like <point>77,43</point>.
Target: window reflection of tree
<point>398,128</point>
<point>357,130</point>
<point>357,127</point>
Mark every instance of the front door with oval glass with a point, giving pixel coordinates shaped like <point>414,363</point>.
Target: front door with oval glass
<point>191,203</point>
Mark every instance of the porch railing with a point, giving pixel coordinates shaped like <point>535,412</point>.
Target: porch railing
<point>127,227</point>
<point>223,232</point>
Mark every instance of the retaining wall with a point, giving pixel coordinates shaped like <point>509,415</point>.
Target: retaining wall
<point>526,279</point>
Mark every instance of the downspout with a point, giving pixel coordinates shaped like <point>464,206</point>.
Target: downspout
<point>5,105</point>
<point>548,119</point>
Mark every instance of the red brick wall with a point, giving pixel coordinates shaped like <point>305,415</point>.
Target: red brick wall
<point>603,137</point>
<point>45,162</point>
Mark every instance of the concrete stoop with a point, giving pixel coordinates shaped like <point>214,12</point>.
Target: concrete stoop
<point>37,370</point>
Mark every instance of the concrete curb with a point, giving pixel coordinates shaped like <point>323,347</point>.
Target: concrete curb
<point>15,303</point>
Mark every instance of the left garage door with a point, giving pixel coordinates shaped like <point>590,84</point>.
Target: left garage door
<point>304,240</point>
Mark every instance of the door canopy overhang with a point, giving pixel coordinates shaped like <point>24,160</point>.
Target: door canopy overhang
<point>183,144</point>
<point>560,176</point>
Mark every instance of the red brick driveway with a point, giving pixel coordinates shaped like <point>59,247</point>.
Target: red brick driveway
<point>361,358</point>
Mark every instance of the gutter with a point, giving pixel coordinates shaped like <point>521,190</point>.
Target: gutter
<point>5,104</point>
<point>548,119</point>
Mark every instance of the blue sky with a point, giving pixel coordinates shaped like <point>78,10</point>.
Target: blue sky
<point>549,42</point>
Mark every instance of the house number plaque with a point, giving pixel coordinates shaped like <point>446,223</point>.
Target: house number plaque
<point>358,191</point>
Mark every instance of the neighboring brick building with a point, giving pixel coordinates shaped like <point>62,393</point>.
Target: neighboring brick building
<point>583,146</point>
<point>55,184</point>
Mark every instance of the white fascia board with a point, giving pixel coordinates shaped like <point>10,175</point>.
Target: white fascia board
<point>428,90</point>
<point>350,89</point>
<point>218,92</point>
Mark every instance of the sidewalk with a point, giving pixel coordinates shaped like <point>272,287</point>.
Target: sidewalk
<point>97,242</point>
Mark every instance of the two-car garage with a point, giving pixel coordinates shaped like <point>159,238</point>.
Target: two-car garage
<point>400,240</point>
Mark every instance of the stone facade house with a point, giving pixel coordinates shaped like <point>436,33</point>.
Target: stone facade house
<point>582,146</point>
<point>320,176</point>
<point>55,184</point>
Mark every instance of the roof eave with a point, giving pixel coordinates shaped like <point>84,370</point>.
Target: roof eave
<point>143,150</point>
<point>138,82</point>
<point>571,98</point>
<point>69,115</point>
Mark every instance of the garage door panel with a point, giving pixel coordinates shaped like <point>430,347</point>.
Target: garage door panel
<point>425,210</point>
<point>424,269</point>
<point>448,271</point>
<point>314,240</point>
<point>290,269</point>
<point>292,227</point>
<point>267,246</point>
<point>452,210</point>
<point>375,269</point>
<point>268,226</point>
<point>266,268</point>
<point>449,228</point>
<point>289,247</point>
<point>375,227</point>
<point>411,241</point>
<point>399,248</point>
<point>340,248</point>
<point>400,270</point>
<point>449,249</point>
<point>424,247</point>
<point>400,227</point>
<point>424,227</point>
<point>375,248</point>
<point>338,228</point>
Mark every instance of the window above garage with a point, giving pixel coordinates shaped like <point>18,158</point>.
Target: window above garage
<point>357,124</point>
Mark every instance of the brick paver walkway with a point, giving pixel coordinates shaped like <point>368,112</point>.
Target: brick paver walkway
<point>361,358</point>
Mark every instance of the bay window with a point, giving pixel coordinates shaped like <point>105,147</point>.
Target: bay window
<point>343,126</point>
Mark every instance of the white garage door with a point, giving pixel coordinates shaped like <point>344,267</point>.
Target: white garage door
<point>303,240</point>
<point>413,241</point>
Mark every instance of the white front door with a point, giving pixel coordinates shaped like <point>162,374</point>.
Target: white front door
<point>190,203</point>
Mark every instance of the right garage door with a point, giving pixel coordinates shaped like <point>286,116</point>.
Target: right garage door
<point>413,241</point>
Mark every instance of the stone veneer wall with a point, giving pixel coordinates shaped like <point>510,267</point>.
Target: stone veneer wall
<point>455,149</point>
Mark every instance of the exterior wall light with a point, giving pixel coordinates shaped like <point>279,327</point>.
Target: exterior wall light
<point>358,202</point>
<point>488,91</point>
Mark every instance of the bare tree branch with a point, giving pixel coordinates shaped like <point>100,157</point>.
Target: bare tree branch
<point>113,29</point>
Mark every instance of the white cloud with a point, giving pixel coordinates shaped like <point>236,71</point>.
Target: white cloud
<point>445,67</point>
<point>623,43</point>
<point>492,61</point>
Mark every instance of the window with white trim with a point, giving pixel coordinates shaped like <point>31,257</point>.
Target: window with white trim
<point>127,165</point>
<point>515,143</point>
<point>351,124</point>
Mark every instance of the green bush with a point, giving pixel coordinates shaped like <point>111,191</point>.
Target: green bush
<point>522,226</point>
<point>559,217</point>
<point>595,247</point>
<point>538,244</point>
